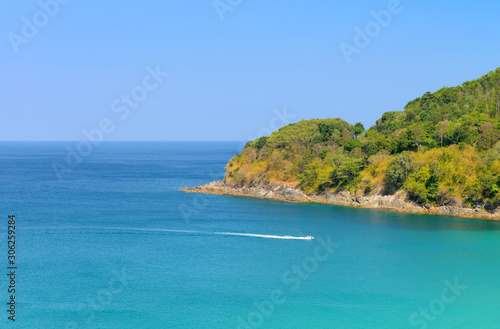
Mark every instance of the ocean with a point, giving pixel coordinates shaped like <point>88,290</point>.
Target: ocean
<point>107,240</point>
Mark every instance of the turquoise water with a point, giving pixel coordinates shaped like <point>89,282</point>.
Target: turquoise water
<point>116,245</point>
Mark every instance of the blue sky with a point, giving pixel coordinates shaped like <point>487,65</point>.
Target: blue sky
<point>227,78</point>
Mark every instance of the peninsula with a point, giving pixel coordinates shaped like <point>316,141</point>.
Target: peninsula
<point>440,155</point>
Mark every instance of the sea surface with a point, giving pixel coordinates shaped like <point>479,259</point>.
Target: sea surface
<point>109,241</point>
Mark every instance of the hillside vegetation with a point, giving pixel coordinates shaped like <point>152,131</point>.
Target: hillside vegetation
<point>442,148</point>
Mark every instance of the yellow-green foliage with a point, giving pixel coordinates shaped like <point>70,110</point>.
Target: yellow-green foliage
<point>443,146</point>
<point>440,174</point>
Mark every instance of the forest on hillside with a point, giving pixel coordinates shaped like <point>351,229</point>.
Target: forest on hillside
<point>442,148</point>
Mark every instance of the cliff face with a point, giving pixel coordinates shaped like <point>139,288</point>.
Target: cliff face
<point>396,202</point>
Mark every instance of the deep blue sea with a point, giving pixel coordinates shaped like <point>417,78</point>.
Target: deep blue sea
<point>113,243</point>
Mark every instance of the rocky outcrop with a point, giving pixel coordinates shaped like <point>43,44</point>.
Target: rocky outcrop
<point>277,192</point>
<point>396,202</point>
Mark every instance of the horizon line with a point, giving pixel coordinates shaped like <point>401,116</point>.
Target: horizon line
<point>124,140</point>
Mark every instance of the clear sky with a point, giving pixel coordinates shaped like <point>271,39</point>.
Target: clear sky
<point>229,79</point>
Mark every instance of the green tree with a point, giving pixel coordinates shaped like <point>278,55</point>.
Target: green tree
<point>489,186</point>
<point>488,137</point>
<point>352,144</point>
<point>260,142</point>
<point>370,148</point>
<point>325,131</point>
<point>323,153</point>
<point>441,129</point>
<point>417,132</point>
<point>416,190</point>
<point>346,171</point>
<point>358,129</point>
<point>398,170</point>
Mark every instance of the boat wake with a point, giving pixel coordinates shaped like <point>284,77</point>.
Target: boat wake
<point>286,237</point>
<point>251,235</point>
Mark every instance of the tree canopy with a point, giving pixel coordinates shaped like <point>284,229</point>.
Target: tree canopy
<point>442,146</point>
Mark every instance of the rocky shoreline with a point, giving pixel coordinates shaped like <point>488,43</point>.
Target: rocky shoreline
<point>396,202</point>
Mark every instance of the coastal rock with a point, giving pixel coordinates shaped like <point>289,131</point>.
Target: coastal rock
<point>342,197</point>
<point>397,202</point>
<point>294,194</point>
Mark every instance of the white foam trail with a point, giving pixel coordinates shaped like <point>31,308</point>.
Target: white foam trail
<point>286,237</point>
<point>152,230</point>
